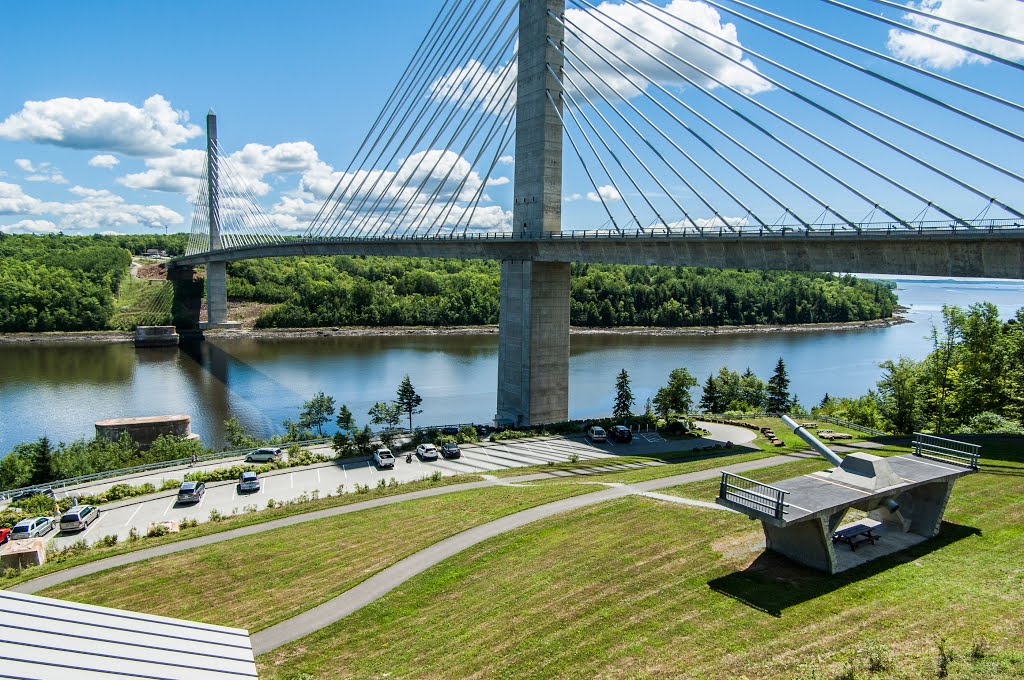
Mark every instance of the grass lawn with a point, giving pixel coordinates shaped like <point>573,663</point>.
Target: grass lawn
<point>256,581</point>
<point>98,552</point>
<point>141,302</point>
<point>642,588</point>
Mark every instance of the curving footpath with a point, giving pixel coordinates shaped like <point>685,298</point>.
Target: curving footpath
<point>389,578</point>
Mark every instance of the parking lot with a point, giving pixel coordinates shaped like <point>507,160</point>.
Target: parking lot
<point>283,485</point>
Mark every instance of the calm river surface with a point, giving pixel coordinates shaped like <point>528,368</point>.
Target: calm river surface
<point>60,391</point>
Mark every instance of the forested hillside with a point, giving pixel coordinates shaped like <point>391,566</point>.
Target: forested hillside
<point>375,291</point>
<point>66,283</point>
<point>69,283</point>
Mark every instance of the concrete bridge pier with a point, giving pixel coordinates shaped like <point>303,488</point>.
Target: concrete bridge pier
<point>216,270</point>
<point>533,349</point>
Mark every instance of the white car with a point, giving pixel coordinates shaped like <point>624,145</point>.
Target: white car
<point>248,481</point>
<point>383,458</point>
<point>79,517</point>
<point>30,528</point>
<point>597,434</point>
<point>426,452</point>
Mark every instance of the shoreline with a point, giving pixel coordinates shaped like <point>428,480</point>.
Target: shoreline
<point>108,337</point>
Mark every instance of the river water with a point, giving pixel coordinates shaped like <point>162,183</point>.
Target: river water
<point>60,391</point>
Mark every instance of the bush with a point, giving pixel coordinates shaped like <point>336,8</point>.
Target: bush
<point>436,476</point>
<point>109,541</point>
<point>216,515</point>
<point>11,516</point>
<point>157,530</point>
<point>574,457</point>
<point>37,505</point>
<point>133,535</point>
<point>170,484</point>
<point>382,483</point>
<point>189,522</point>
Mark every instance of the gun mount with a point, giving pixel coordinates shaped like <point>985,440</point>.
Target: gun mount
<point>904,498</point>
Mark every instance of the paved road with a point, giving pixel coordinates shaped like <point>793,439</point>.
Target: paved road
<point>283,485</point>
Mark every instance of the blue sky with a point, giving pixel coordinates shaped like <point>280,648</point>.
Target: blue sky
<point>98,103</point>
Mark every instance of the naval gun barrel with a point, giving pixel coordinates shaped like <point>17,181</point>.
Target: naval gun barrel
<point>802,432</point>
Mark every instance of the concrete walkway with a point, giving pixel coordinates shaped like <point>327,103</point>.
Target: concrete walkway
<point>390,578</point>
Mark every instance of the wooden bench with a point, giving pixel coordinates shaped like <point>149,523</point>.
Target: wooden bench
<point>855,535</point>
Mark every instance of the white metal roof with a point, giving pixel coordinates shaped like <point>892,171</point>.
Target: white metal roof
<point>54,639</point>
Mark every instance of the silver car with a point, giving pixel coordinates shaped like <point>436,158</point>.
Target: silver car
<point>264,455</point>
<point>79,517</point>
<point>248,481</point>
<point>30,528</point>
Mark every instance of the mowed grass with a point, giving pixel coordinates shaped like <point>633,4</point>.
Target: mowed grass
<point>638,588</point>
<point>259,580</point>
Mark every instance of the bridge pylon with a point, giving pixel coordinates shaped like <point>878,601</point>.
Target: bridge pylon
<point>533,348</point>
<point>216,270</point>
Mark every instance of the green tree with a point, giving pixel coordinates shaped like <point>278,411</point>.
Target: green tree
<point>675,397</point>
<point>385,413</point>
<point>237,437</point>
<point>710,400</point>
<point>364,440</point>
<point>316,412</point>
<point>343,440</point>
<point>899,395</point>
<point>753,391</point>
<point>42,461</point>
<point>345,421</point>
<point>778,400</point>
<point>624,401</point>
<point>407,400</point>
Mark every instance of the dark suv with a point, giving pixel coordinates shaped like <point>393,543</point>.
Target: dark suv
<point>450,450</point>
<point>620,433</point>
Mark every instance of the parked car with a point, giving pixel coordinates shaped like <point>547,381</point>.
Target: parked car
<point>248,481</point>
<point>620,433</point>
<point>597,434</point>
<point>264,455</point>
<point>79,517</point>
<point>451,450</point>
<point>32,492</point>
<point>384,458</point>
<point>30,528</point>
<point>191,492</point>
<point>449,430</point>
<point>5,535</point>
<point>426,452</point>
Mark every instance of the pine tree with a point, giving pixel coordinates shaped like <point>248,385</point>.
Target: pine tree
<point>778,389</point>
<point>316,412</point>
<point>408,401</point>
<point>710,399</point>
<point>42,461</point>
<point>624,401</point>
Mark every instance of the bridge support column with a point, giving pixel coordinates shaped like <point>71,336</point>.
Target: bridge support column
<point>533,350</point>
<point>216,271</point>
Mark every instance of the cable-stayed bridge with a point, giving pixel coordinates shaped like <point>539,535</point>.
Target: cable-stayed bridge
<point>721,133</point>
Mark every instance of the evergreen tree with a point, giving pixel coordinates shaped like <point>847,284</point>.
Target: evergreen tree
<point>408,401</point>
<point>42,461</point>
<point>710,400</point>
<point>778,389</point>
<point>675,396</point>
<point>316,412</point>
<point>624,401</point>
<point>345,420</point>
<point>343,438</point>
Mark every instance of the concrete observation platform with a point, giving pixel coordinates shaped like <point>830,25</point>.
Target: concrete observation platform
<point>904,497</point>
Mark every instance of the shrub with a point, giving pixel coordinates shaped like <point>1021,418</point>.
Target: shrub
<point>574,457</point>
<point>189,522</point>
<point>250,508</point>
<point>170,484</point>
<point>37,505</point>
<point>157,530</point>
<point>109,541</point>
<point>216,515</point>
<point>393,483</point>
<point>11,572</point>
<point>133,535</point>
<point>271,503</point>
<point>362,488</point>
<point>436,476</point>
<point>341,490</point>
<point>11,516</point>
<point>382,483</point>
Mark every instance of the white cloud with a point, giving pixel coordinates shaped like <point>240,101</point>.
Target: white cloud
<point>507,160</point>
<point>100,208</point>
<point>498,181</point>
<point>25,164</point>
<point>110,232</point>
<point>41,172</point>
<point>607,192</point>
<point>30,227</point>
<point>468,84</point>
<point>14,201</point>
<point>91,123</point>
<point>179,172</point>
<point>1001,16</point>
<point>569,198</point>
<point>103,160</point>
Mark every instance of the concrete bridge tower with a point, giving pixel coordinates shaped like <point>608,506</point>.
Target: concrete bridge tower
<point>216,270</point>
<point>533,346</point>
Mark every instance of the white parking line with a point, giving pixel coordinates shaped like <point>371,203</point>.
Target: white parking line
<point>291,479</point>
<point>169,507</point>
<point>91,526</point>
<point>202,499</point>
<point>370,468</point>
<point>263,487</point>
<point>133,515</point>
<point>345,471</point>
<point>318,476</point>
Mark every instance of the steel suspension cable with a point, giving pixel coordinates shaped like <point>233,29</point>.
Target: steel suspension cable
<point>510,133</point>
<point>913,29</point>
<point>689,129</point>
<point>453,58</point>
<point>419,54</point>
<point>740,114</point>
<point>881,140</point>
<point>668,138</point>
<point>877,55</point>
<point>404,116</point>
<point>586,168</point>
<point>748,67</point>
<point>261,221</point>
<point>910,9</point>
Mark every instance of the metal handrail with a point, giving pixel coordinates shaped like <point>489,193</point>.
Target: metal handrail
<point>73,481</point>
<point>828,419</point>
<point>947,450</point>
<point>749,493</point>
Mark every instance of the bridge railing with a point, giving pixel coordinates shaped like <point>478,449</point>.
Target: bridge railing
<point>947,450</point>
